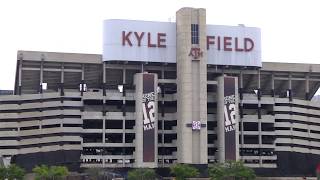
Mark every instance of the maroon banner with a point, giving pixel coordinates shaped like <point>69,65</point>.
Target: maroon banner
<point>148,108</point>
<point>230,118</point>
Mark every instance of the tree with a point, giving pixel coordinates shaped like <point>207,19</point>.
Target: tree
<point>141,174</point>
<point>15,172</point>
<point>231,169</point>
<point>3,173</point>
<point>12,172</point>
<point>44,172</point>
<point>182,171</point>
<point>58,172</point>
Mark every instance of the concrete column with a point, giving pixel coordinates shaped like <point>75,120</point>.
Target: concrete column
<point>259,79</point>
<point>123,115</point>
<point>220,120</point>
<point>290,81</point>
<point>259,86</point>
<point>82,80</point>
<point>20,74</point>
<point>62,73</point>
<point>104,72</point>
<point>82,72</point>
<point>41,74</point>
<point>307,88</point>
<point>142,67</point>
<point>139,125</point>
<point>259,112</point>
<point>104,79</point>
<point>272,85</point>
<point>139,118</point>
<point>241,106</point>
<point>191,87</point>
<point>124,75</point>
<point>103,139</point>
<point>241,84</point>
<point>162,116</point>
<point>241,79</point>
<point>62,80</point>
<point>290,86</point>
<point>104,111</point>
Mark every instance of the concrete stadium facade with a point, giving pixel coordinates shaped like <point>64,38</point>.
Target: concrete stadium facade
<point>83,111</point>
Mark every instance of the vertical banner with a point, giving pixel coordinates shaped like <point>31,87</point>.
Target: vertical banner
<point>148,108</point>
<point>230,118</point>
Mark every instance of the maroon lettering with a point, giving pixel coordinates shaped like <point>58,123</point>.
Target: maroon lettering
<point>237,45</point>
<point>210,40</point>
<point>139,37</point>
<point>125,38</point>
<point>230,43</point>
<point>222,43</point>
<point>248,44</point>
<point>149,41</point>
<point>227,43</point>
<point>162,40</point>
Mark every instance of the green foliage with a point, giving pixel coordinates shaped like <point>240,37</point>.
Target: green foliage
<point>15,172</point>
<point>231,169</point>
<point>3,172</point>
<point>44,172</point>
<point>58,172</point>
<point>141,174</point>
<point>12,172</point>
<point>182,171</point>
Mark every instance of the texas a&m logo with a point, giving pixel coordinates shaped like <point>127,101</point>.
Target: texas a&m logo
<point>196,53</point>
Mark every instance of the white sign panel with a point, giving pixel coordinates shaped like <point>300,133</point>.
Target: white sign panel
<point>233,45</point>
<point>128,40</point>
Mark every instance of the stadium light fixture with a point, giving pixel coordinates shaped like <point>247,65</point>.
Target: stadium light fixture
<point>44,86</point>
<point>120,88</point>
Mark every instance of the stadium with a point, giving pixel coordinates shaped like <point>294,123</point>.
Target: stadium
<point>163,93</point>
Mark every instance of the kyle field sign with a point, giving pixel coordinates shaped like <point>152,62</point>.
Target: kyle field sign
<point>148,41</point>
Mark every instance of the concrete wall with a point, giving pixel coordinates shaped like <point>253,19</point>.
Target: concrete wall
<point>192,87</point>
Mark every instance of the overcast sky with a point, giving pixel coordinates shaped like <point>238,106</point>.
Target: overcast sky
<point>290,28</point>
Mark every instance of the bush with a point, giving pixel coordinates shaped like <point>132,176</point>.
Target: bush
<point>141,174</point>
<point>3,172</point>
<point>12,172</point>
<point>182,171</point>
<point>44,172</point>
<point>58,172</point>
<point>231,169</point>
